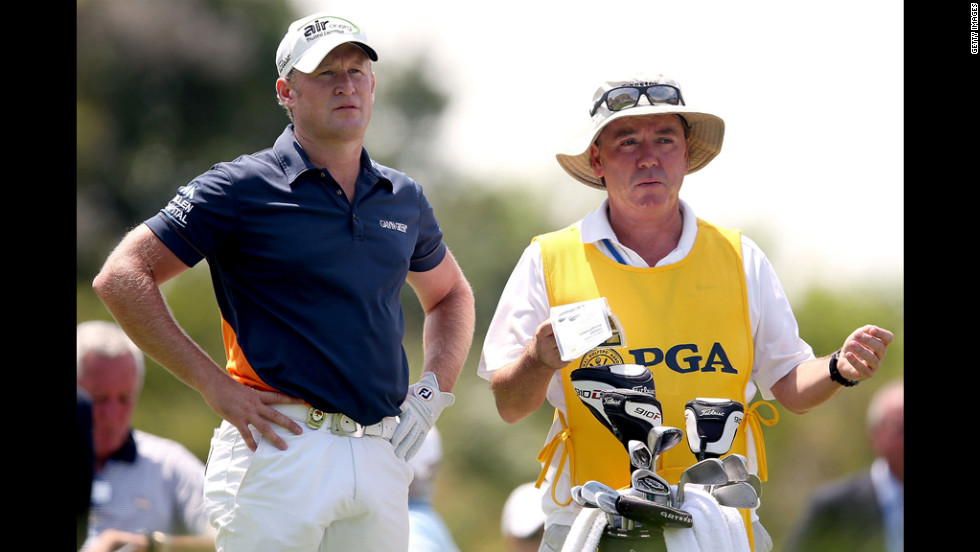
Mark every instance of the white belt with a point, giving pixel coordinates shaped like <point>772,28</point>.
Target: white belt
<point>336,423</point>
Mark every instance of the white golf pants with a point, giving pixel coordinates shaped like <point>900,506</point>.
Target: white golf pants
<point>324,493</point>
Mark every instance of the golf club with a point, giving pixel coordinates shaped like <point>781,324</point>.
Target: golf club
<point>640,456</point>
<point>756,484</point>
<point>592,488</point>
<point>650,486</point>
<point>579,499</point>
<point>662,438</point>
<point>737,495</point>
<point>709,471</point>
<point>607,503</point>
<point>646,512</point>
<point>736,467</point>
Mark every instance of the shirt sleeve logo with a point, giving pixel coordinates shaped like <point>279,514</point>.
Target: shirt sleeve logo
<point>180,206</point>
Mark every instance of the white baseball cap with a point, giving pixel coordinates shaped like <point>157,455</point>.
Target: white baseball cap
<point>311,38</point>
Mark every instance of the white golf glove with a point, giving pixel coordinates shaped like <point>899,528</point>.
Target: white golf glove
<point>421,408</point>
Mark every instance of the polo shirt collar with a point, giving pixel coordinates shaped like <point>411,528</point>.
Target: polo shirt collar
<point>295,162</point>
<point>127,452</point>
<point>887,486</point>
<point>595,227</point>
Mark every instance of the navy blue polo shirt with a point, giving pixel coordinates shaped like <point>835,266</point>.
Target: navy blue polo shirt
<point>308,283</point>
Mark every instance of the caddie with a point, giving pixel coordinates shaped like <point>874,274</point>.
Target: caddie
<point>700,305</point>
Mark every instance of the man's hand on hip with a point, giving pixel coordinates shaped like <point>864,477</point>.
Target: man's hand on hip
<point>421,408</point>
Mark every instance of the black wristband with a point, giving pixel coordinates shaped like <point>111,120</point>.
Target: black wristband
<point>150,544</point>
<point>835,374</point>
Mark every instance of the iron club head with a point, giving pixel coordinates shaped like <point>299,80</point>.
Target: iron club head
<point>756,483</point>
<point>579,499</point>
<point>735,465</point>
<point>650,486</point>
<point>640,457</point>
<point>663,438</point>
<point>709,471</point>
<point>592,488</point>
<point>607,503</point>
<point>739,494</point>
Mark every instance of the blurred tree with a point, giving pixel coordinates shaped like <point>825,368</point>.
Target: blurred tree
<point>830,440</point>
<point>407,119</point>
<point>163,91</point>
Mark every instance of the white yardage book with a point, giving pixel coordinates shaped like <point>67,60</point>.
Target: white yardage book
<point>580,327</point>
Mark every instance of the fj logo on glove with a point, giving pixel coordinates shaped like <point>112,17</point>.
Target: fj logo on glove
<point>424,393</point>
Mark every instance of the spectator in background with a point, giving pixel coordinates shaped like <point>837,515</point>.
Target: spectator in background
<point>428,532</point>
<point>864,512</point>
<point>522,522</point>
<point>84,463</point>
<point>148,491</point>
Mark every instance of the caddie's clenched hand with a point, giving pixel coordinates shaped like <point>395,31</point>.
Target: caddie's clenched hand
<point>544,346</point>
<point>421,408</point>
<point>863,352</point>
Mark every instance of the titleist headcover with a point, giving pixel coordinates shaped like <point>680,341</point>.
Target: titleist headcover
<point>711,425</point>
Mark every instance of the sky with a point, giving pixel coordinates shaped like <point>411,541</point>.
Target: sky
<point>812,95</point>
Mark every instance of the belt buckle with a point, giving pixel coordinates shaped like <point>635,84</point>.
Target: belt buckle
<point>315,418</point>
<point>345,427</point>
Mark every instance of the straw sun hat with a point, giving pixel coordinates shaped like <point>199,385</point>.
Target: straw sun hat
<point>706,130</point>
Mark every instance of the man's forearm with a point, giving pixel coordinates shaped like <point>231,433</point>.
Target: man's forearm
<point>129,286</point>
<point>142,312</point>
<point>448,335</point>
<point>520,388</point>
<point>806,386</point>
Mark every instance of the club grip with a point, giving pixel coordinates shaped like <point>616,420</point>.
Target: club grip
<point>652,513</point>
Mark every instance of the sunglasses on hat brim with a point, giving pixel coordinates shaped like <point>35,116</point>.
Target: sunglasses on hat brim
<point>625,97</point>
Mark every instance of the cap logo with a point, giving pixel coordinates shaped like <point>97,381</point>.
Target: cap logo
<point>284,61</point>
<point>324,27</point>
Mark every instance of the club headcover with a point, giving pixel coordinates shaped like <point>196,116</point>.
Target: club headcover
<point>632,414</point>
<point>591,381</point>
<point>711,425</point>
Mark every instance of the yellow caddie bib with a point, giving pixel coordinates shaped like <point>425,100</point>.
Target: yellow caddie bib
<point>687,322</point>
